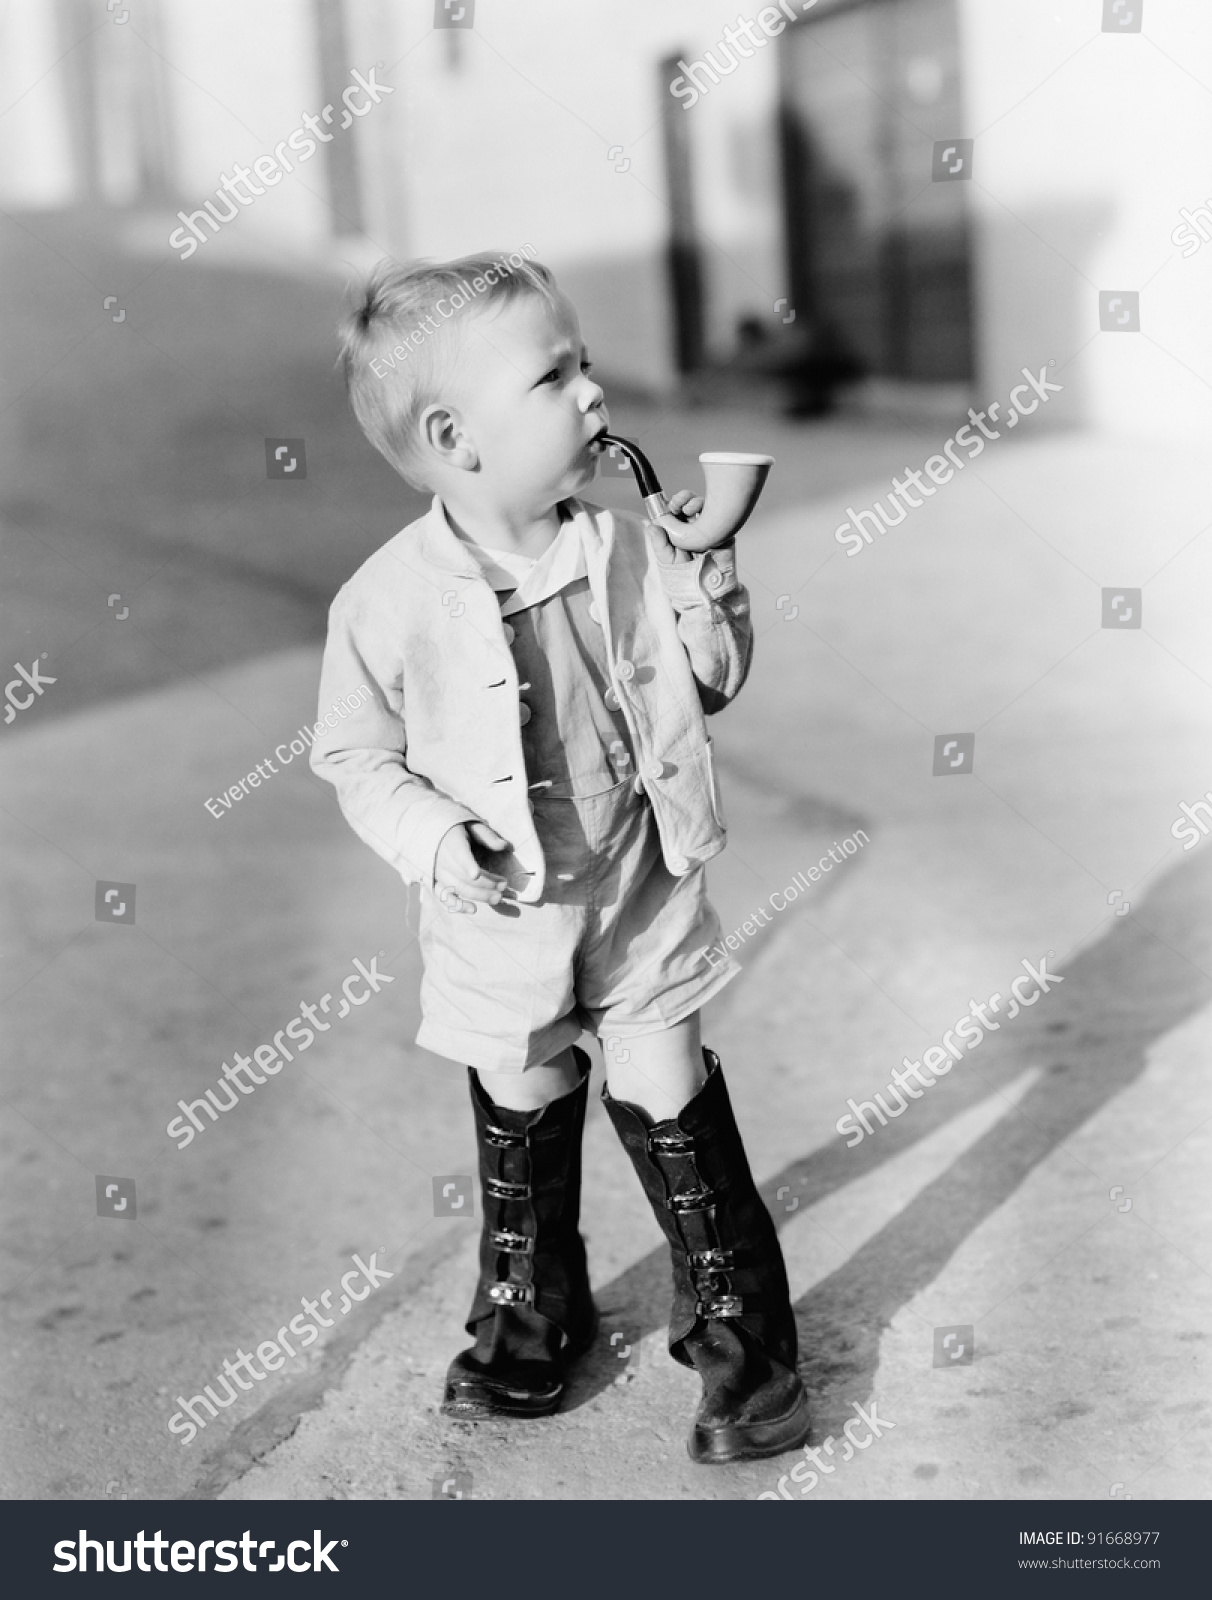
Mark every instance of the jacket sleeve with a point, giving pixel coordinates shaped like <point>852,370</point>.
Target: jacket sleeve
<point>397,813</point>
<point>712,608</point>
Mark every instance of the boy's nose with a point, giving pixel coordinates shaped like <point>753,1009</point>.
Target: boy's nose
<point>593,397</point>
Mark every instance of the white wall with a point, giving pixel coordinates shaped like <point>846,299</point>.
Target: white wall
<point>35,158</point>
<point>238,87</point>
<point>514,145</point>
<point>1087,146</point>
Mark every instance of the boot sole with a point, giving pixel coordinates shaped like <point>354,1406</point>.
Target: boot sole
<point>473,1401</point>
<point>751,1441</point>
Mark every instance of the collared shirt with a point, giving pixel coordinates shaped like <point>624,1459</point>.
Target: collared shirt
<point>574,736</point>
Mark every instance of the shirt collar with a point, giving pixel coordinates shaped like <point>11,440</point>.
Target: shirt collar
<point>562,563</point>
<point>578,535</point>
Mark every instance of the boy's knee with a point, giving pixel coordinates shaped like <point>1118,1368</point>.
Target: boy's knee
<point>536,1087</point>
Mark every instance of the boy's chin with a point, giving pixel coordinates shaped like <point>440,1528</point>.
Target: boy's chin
<point>576,479</point>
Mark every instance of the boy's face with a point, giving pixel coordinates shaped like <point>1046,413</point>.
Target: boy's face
<point>529,404</point>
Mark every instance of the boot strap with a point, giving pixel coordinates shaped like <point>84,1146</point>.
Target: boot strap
<point>511,1294</point>
<point>501,1189</point>
<point>511,1244</point>
<point>504,1138</point>
<point>723,1305</point>
<point>671,1143</point>
<point>710,1260</point>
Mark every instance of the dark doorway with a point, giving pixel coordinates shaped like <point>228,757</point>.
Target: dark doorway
<point>683,262</point>
<point>878,254</point>
<point>341,156</point>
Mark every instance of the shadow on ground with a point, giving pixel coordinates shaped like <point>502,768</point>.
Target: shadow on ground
<point>1092,1036</point>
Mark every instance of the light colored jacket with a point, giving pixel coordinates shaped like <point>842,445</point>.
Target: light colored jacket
<point>438,742</point>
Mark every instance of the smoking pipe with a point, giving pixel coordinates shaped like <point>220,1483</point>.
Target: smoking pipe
<point>734,480</point>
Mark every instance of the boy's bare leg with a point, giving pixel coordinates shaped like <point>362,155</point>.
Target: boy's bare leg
<point>536,1087</point>
<point>663,1071</point>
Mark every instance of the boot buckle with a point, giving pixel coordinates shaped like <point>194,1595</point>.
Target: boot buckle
<point>500,1189</point>
<point>513,1244</point>
<point>692,1200</point>
<point>504,1138</point>
<point>512,1294</point>
<point>675,1143</point>
<point>724,1305</point>
<point>710,1260</point>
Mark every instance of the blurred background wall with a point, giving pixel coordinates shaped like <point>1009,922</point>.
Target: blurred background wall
<point>686,227</point>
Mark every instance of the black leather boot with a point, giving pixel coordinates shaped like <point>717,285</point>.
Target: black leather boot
<point>532,1311</point>
<point>731,1319</point>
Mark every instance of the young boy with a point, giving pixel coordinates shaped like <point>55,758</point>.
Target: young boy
<point>534,755</point>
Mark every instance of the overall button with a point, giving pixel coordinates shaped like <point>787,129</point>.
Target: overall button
<point>624,671</point>
<point>715,580</point>
<point>638,786</point>
<point>524,712</point>
<point>595,614</point>
<point>510,636</point>
<point>654,770</point>
<point>611,699</point>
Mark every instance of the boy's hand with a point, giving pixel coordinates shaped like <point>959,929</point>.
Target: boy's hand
<point>459,879</point>
<point>671,529</point>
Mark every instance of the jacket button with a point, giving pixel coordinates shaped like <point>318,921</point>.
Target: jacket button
<point>654,770</point>
<point>638,786</point>
<point>611,699</point>
<point>524,712</point>
<point>595,614</point>
<point>715,580</point>
<point>508,632</point>
<point>677,865</point>
<point>624,671</point>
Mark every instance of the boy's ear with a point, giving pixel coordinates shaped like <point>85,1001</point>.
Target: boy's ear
<point>447,437</point>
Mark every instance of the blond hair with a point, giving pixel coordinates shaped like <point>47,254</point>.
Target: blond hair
<point>392,363</point>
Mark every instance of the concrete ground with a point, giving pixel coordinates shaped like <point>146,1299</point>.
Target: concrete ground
<point>1050,1194</point>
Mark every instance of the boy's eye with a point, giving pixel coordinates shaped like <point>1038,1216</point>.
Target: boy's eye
<point>556,373</point>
